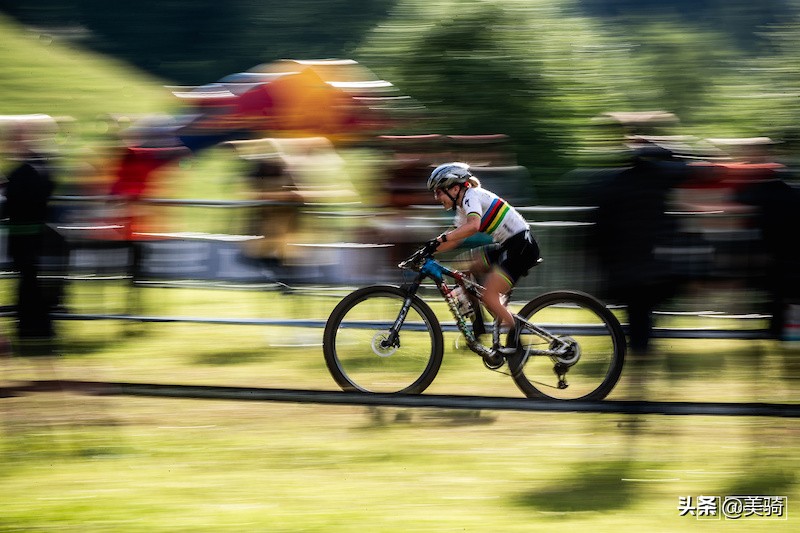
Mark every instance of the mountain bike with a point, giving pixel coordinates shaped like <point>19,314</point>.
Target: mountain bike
<point>387,339</point>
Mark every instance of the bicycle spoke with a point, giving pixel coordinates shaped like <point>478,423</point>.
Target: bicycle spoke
<point>583,362</point>
<point>360,352</point>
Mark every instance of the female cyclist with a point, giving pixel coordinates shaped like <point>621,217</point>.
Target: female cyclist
<point>514,250</point>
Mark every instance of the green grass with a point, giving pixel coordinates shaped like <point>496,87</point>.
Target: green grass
<point>140,464</point>
<point>42,75</point>
<point>127,464</point>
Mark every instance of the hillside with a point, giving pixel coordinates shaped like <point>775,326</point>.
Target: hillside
<point>41,75</point>
<point>192,42</point>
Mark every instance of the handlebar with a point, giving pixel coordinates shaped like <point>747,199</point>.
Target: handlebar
<point>415,260</point>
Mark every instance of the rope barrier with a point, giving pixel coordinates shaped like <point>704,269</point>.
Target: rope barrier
<point>414,401</point>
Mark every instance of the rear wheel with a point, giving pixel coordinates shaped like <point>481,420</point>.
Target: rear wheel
<point>360,354</point>
<point>591,342</point>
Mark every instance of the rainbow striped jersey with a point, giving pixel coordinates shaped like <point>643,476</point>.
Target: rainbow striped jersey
<point>498,218</point>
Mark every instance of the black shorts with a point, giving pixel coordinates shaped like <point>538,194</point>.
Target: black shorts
<point>515,257</point>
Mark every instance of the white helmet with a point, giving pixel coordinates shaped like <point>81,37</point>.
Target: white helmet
<point>447,175</point>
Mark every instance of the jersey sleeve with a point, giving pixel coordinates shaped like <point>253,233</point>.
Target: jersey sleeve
<point>459,219</point>
<point>472,204</point>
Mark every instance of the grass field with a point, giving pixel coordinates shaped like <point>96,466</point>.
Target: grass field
<point>43,75</point>
<point>89,463</point>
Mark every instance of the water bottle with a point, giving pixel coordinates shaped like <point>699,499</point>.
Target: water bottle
<point>464,305</point>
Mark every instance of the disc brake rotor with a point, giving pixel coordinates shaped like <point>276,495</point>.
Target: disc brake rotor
<point>379,345</point>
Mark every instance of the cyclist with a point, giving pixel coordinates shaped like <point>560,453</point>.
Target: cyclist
<point>514,250</point>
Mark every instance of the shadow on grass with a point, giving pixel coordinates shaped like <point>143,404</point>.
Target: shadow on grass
<point>742,359</point>
<point>89,342</point>
<point>596,486</point>
<point>769,482</point>
<point>82,347</point>
<point>763,471</point>
<point>381,417</point>
<point>229,357</point>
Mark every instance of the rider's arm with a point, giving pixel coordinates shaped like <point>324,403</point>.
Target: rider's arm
<point>451,239</point>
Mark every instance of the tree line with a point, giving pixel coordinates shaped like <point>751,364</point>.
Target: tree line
<point>537,71</point>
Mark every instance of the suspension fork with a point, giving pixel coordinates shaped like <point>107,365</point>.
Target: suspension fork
<point>393,339</point>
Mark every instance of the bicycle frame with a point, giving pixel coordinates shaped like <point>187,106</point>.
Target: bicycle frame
<point>539,364</point>
<point>437,272</point>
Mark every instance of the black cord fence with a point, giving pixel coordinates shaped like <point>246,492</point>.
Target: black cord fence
<point>333,266</point>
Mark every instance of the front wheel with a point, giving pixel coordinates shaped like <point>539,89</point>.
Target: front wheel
<point>584,362</point>
<point>362,356</point>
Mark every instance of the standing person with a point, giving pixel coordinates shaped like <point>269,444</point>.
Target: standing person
<point>514,250</point>
<point>631,224</point>
<point>27,191</point>
<point>278,223</point>
<point>777,216</point>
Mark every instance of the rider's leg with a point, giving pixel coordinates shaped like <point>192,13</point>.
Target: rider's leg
<point>496,284</point>
<point>478,261</point>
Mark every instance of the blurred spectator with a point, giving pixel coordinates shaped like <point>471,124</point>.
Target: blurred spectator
<point>631,225</point>
<point>307,181</point>
<point>410,161</point>
<point>28,190</point>
<point>278,222</point>
<point>149,148</point>
<point>761,183</point>
<point>778,217</point>
<point>748,187</point>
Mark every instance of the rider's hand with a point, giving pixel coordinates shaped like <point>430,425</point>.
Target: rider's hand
<point>431,246</point>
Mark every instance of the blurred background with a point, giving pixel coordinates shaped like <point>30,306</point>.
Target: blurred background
<point>636,137</point>
<point>238,167</point>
